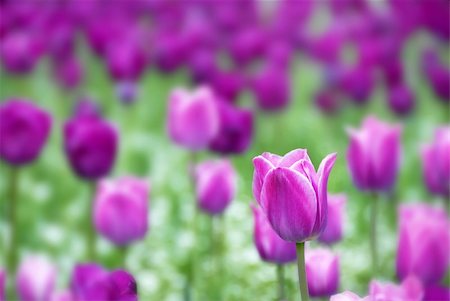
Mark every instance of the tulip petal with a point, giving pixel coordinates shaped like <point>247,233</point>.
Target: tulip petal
<point>293,156</point>
<point>262,167</point>
<point>290,204</point>
<point>356,158</point>
<point>324,171</point>
<point>386,158</point>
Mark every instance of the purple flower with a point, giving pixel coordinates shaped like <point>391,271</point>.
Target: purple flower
<point>436,163</point>
<point>247,44</point>
<point>327,101</point>
<point>35,279</point>
<point>228,84</point>
<point>409,290</point>
<point>424,243</point>
<point>235,130</point>
<point>401,99</point>
<point>203,65</point>
<point>121,210</point>
<point>127,91</point>
<point>374,155</point>
<point>91,146</point>
<point>270,246</point>
<point>437,74</point>
<point>322,272</point>
<point>434,292</point>
<point>69,72</point>
<point>335,222</point>
<point>126,61</point>
<point>2,285</point>
<point>19,52</point>
<point>291,193</point>
<point>215,183</point>
<point>24,130</point>
<point>358,83</point>
<point>193,118</point>
<point>86,106</point>
<point>348,296</point>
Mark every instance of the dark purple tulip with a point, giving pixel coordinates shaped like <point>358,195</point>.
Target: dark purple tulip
<point>24,129</point>
<point>35,279</point>
<point>292,194</point>
<point>424,243</point>
<point>327,47</point>
<point>328,101</point>
<point>272,88</point>
<point>170,51</point>
<point>19,52</point>
<point>434,292</point>
<point>228,84</point>
<point>247,45</point>
<point>335,222</point>
<point>393,73</point>
<point>124,287</point>
<point>203,65</point>
<point>437,74</point>
<point>409,290</point>
<point>322,272</point>
<point>235,130</point>
<point>91,146</point>
<point>374,155</point>
<point>126,61</point>
<point>270,246</point>
<point>60,36</point>
<point>436,163</point>
<point>215,183</point>
<point>69,72</point>
<point>358,83</point>
<point>401,99</point>
<point>279,53</point>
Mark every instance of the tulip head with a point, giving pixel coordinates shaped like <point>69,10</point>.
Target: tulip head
<point>19,52</point>
<point>335,222</point>
<point>410,289</point>
<point>401,99</point>
<point>24,129</point>
<point>292,194</point>
<point>35,279</point>
<point>272,88</point>
<point>322,272</point>
<point>121,209</point>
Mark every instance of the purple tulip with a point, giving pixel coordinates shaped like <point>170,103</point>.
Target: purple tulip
<point>374,155</point>
<point>91,146</point>
<point>62,296</point>
<point>434,292</point>
<point>436,163</point>
<point>35,279</point>
<point>409,290</point>
<point>193,118</point>
<point>279,53</point>
<point>2,285</point>
<point>69,72</point>
<point>322,272</point>
<point>335,222</point>
<point>247,44</point>
<point>235,130</point>
<point>401,99</point>
<point>24,130</point>
<point>203,65</point>
<point>215,185</point>
<point>291,193</point>
<point>424,243</point>
<point>437,73</point>
<point>121,210</point>
<point>328,101</point>
<point>270,246</point>
<point>228,84</point>
<point>126,61</point>
<point>19,52</point>
<point>358,83</point>
<point>348,296</point>
<point>85,106</point>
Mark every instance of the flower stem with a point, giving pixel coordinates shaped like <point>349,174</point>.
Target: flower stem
<point>90,233</point>
<point>123,256</point>
<point>373,235</point>
<point>13,225</point>
<point>301,271</point>
<point>280,276</point>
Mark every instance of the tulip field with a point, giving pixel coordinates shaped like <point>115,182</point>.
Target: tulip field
<point>160,185</point>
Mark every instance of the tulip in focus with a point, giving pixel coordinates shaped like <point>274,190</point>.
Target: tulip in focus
<point>335,222</point>
<point>24,130</point>
<point>35,279</point>
<point>193,118</point>
<point>322,272</point>
<point>424,243</point>
<point>121,210</point>
<point>409,290</point>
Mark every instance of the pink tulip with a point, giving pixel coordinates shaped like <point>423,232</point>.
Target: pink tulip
<point>334,228</point>
<point>409,290</point>
<point>35,279</point>
<point>322,272</point>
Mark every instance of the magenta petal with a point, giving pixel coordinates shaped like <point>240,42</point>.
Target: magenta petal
<point>290,204</point>
<point>324,171</point>
<point>357,160</point>
<point>293,156</point>
<point>387,159</point>
<point>262,167</point>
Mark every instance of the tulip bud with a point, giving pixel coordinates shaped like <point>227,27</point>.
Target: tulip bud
<point>126,61</point>
<point>19,52</point>
<point>202,65</point>
<point>436,163</point>
<point>424,243</point>
<point>228,84</point>
<point>24,129</point>
<point>322,272</point>
<point>401,99</point>
<point>358,83</point>
<point>91,146</point>
<point>347,296</point>
<point>335,222</point>
<point>328,101</point>
<point>215,185</point>
<point>121,210</point>
<point>35,279</point>
<point>270,246</point>
<point>235,130</point>
<point>272,88</point>
<point>69,73</point>
<point>374,155</point>
<point>410,289</point>
<point>247,44</point>
<point>193,118</point>
<point>291,193</point>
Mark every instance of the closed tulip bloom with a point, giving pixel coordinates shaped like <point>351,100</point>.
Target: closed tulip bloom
<point>322,272</point>
<point>126,61</point>
<point>436,163</point>
<point>193,118</point>
<point>401,99</point>
<point>435,292</point>
<point>35,279</point>
<point>335,223</point>
<point>215,183</point>
<point>24,130</point>
<point>373,155</point>
<point>437,74</point>
<point>228,83</point>
<point>328,101</point>
<point>409,290</point>
<point>424,243</point>
<point>358,83</point>
<point>272,88</point>
<point>348,296</point>
<point>121,209</point>
<point>292,194</point>
<point>91,146</point>
<point>69,73</point>
<point>270,246</point>
<point>235,130</point>
<point>19,52</point>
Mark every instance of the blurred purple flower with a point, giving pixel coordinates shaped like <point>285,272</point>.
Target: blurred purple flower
<point>69,72</point>
<point>24,130</point>
<point>19,52</point>
<point>328,101</point>
<point>203,65</point>
<point>322,272</point>
<point>35,279</point>
<point>437,74</point>
<point>270,246</point>
<point>374,155</point>
<point>247,45</point>
<point>121,210</point>
<point>410,289</point>
<point>401,99</point>
<point>228,84</point>
<point>358,83</point>
<point>193,118</point>
<point>85,106</point>
<point>434,292</point>
<point>127,91</point>
<point>335,222</point>
<point>291,193</point>
<point>348,296</point>
<point>126,61</point>
<point>91,146</point>
<point>424,243</point>
<point>215,183</point>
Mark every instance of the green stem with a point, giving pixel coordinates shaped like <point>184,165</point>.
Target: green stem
<point>13,224</point>
<point>373,234</point>
<point>301,271</point>
<point>280,277</point>
<point>90,233</point>
<point>123,256</point>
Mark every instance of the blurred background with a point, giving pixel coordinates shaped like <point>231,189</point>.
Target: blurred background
<point>305,69</point>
